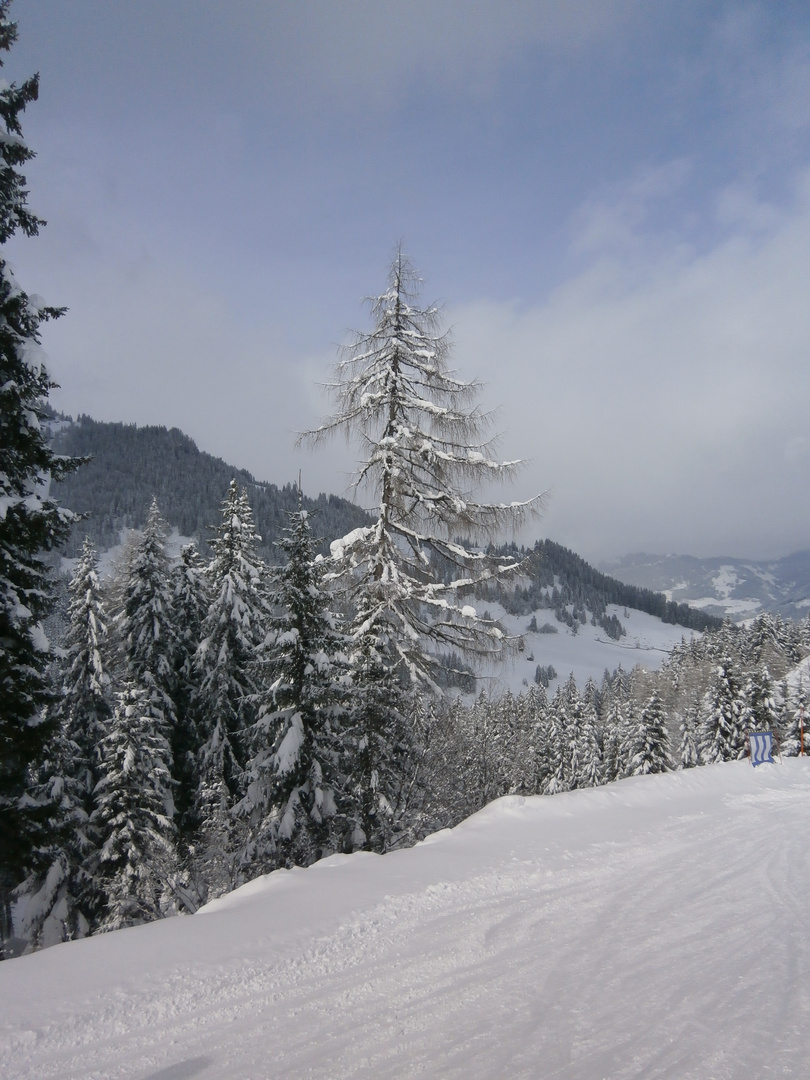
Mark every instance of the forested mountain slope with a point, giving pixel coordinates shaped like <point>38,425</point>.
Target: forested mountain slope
<point>561,581</point>
<point>130,465</point>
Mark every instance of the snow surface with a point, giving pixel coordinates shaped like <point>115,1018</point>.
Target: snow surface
<point>652,928</point>
<point>725,581</point>
<point>746,605</point>
<point>648,642</point>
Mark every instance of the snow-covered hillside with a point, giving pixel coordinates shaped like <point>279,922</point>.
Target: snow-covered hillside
<point>652,928</point>
<point>648,641</point>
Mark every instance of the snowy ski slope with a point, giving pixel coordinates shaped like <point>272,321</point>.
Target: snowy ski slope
<point>654,928</point>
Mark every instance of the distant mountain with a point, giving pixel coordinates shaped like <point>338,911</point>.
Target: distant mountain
<point>739,588</point>
<point>130,465</point>
<point>559,580</point>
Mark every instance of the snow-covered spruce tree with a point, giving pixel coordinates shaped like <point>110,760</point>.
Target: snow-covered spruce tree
<point>482,762</point>
<point>30,521</point>
<point>232,633</point>
<point>627,725</point>
<point>722,731</point>
<point>761,712</point>
<point>649,748</point>
<point>583,754</point>
<point>380,748</point>
<point>190,601</point>
<point>611,741</point>
<point>589,749</point>
<point>536,707</point>
<point>449,794</point>
<point>688,753</point>
<point>798,723</point>
<point>425,456</point>
<point>294,776</point>
<point>506,749</point>
<point>72,769</point>
<point>519,717</point>
<point>86,703</point>
<point>557,746</point>
<point>145,623</point>
<point>137,860</point>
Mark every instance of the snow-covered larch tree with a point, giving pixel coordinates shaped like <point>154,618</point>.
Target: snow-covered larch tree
<point>426,455</point>
<point>30,521</point>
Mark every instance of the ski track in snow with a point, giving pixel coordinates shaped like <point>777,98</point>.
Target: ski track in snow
<point>650,929</point>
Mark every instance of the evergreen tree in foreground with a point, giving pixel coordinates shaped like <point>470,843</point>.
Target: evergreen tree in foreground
<point>294,778</point>
<point>723,725</point>
<point>226,699</point>
<point>62,899</point>
<point>30,522</point>
<point>137,861</point>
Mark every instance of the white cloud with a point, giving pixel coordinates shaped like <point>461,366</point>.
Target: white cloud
<point>657,392</point>
<point>144,342</point>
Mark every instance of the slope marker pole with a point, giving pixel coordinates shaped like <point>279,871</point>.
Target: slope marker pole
<point>801,729</point>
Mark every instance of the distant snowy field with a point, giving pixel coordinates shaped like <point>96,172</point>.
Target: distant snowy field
<point>587,653</point>
<point>653,928</point>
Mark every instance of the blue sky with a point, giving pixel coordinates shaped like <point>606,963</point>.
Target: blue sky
<point>611,199</point>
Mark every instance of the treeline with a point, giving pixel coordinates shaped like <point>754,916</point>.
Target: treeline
<point>209,725</point>
<point>130,465</point>
<point>697,710</point>
<point>561,581</point>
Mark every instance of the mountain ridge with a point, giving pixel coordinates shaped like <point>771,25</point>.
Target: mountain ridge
<point>722,585</point>
<point>131,464</point>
